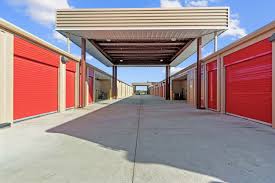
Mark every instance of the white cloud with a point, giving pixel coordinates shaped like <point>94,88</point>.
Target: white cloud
<point>170,4</point>
<point>235,30</point>
<point>196,3</point>
<point>59,37</point>
<point>41,11</point>
<point>199,3</point>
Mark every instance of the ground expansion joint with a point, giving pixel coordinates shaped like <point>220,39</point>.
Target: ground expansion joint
<point>139,113</point>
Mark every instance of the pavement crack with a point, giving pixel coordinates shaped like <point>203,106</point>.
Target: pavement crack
<point>139,112</point>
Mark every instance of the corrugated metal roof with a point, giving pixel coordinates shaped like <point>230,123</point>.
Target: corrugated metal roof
<point>138,26</point>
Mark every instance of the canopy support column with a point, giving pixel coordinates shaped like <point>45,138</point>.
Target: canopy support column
<point>83,74</point>
<point>199,56</point>
<point>215,41</point>
<point>167,97</point>
<point>114,85</point>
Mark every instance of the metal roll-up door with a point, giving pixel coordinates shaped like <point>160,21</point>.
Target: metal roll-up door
<point>35,80</point>
<point>91,85</point>
<point>91,89</point>
<point>212,84</point>
<point>70,84</point>
<point>249,82</point>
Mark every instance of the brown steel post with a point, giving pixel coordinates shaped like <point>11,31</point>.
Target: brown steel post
<point>82,90</point>
<point>199,56</point>
<point>167,82</point>
<point>114,79</point>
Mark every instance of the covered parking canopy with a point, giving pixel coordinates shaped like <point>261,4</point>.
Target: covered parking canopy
<point>142,37</point>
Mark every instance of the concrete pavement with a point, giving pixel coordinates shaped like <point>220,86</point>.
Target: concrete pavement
<point>138,139</point>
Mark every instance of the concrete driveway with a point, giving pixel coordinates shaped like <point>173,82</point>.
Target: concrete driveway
<point>138,139</point>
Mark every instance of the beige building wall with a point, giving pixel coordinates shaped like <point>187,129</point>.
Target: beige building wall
<point>6,77</point>
<point>61,86</point>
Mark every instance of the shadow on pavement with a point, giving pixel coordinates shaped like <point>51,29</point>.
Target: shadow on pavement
<point>176,135</point>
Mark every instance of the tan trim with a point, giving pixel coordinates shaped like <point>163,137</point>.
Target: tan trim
<point>7,26</point>
<point>76,100</point>
<point>6,76</point>
<point>205,86</point>
<point>250,39</point>
<point>218,83</point>
<point>61,87</point>
<point>94,89</point>
<point>222,84</point>
<point>195,86</point>
<point>87,88</point>
<point>273,84</point>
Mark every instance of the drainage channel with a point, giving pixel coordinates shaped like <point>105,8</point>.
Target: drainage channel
<point>139,113</point>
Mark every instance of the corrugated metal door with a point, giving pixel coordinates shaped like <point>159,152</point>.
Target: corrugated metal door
<point>249,82</point>
<point>35,80</point>
<point>91,89</point>
<point>91,85</point>
<point>70,84</point>
<point>212,84</point>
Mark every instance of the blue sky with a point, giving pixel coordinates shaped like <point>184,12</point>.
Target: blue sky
<point>37,17</point>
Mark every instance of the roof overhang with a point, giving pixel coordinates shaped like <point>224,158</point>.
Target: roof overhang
<point>142,84</point>
<point>154,37</point>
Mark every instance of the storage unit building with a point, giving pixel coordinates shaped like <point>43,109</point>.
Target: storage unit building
<point>248,81</point>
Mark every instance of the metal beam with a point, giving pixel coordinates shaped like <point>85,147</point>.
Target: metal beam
<point>199,57</point>
<point>83,74</point>
<point>215,41</point>
<point>167,97</point>
<point>114,83</point>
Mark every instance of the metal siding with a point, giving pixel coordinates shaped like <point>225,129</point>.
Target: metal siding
<point>212,84</point>
<point>70,89</point>
<point>249,82</point>
<point>158,17</point>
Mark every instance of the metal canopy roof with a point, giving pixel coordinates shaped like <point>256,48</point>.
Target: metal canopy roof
<point>136,37</point>
<point>142,84</point>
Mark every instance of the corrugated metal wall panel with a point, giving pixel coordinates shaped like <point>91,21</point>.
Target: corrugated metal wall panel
<point>30,51</point>
<point>71,66</point>
<point>143,17</point>
<point>249,82</point>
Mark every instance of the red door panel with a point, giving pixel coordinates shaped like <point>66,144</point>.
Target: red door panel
<point>212,84</point>
<point>70,89</point>
<point>249,84</point>
<point>212,89</point>
<point>91,89</point>
<point>35,88</point>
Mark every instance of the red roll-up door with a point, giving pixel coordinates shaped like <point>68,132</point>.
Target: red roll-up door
<point>70,84</point>
<point>91,85</point>
<point>35,80</point>
<point>91,89</point>
<point>212,84</point>
<point>249,82</point>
